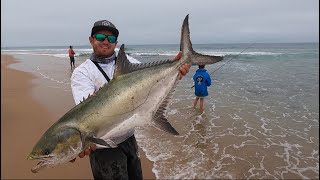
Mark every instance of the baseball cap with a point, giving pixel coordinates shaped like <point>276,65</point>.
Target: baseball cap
<point>104,25</point>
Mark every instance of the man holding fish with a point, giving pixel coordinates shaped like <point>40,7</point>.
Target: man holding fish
<point>123,161</point>
<point>102,123</point>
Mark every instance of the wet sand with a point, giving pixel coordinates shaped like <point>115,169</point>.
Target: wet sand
<point>24,118</point>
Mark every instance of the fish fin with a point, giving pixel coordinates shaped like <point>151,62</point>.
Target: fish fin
<point>187,50</point>
<point>201,59</point>
<point>162,123</point>
<point>124,66</point>
<point>109,144</point>
<point>163,106</point>
<point>159,119</point>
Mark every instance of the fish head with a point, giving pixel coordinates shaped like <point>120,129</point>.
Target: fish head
<point>56,147</point>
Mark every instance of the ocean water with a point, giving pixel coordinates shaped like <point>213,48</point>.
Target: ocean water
<point>260,120</point>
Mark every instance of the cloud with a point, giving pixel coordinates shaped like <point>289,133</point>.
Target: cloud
<point>59,22</point>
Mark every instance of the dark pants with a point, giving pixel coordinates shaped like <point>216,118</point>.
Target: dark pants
<point>71,61</point>
<point>121,162</point>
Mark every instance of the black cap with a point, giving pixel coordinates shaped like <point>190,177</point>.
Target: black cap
<point>104,25</point>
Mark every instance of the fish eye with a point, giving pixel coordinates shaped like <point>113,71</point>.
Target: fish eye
<point>46,152</point>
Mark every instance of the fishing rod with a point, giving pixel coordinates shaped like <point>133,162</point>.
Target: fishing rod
<point>232,58</point>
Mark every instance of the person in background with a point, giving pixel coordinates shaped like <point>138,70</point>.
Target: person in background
<point>122,162</point>
<point>201,81</point>
<point>71,56</point>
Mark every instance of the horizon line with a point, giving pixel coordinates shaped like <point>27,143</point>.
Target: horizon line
<point>30,46</point>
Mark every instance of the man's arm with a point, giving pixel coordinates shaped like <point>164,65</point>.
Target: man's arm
<point>81,85</point>
<point>209,80</point>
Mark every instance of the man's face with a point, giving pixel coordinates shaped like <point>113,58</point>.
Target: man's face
<point>104,48</point>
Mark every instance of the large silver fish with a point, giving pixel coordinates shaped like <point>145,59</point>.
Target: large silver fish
<point>137,95</point>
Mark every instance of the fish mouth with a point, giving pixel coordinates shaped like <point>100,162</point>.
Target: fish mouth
<point>43,161</point>
<point>40,165</point>
<point>48,161</point>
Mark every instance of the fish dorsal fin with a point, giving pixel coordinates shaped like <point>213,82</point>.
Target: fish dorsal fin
<point>124,66</point>
<point>159,120</point>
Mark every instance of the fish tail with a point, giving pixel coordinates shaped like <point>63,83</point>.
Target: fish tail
<point>186,47</point>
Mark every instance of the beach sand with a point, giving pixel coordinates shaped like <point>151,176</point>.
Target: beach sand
<point>24,118</point>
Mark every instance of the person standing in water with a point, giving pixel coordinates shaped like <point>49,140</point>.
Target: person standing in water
<point>71,56</point>
<point>201,81</point>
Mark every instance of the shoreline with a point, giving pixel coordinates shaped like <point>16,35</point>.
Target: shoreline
<point>24,119</point>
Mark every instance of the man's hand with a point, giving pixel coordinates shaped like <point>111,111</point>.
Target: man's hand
<point>184,69</point>
<point>87,151</point>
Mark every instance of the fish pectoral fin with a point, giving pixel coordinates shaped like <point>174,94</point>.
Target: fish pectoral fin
<point>120,137</point>
<point>109,144</point>
<point>162,123</point>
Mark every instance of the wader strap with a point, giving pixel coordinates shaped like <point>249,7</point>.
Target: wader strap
<point>101,70</point>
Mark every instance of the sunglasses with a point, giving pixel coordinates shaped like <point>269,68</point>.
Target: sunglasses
<point>102,37</point>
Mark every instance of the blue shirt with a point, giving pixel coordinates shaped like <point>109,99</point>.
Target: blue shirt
<point>201,81</point>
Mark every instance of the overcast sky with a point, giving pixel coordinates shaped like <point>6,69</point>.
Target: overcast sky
<point>65,22</point>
